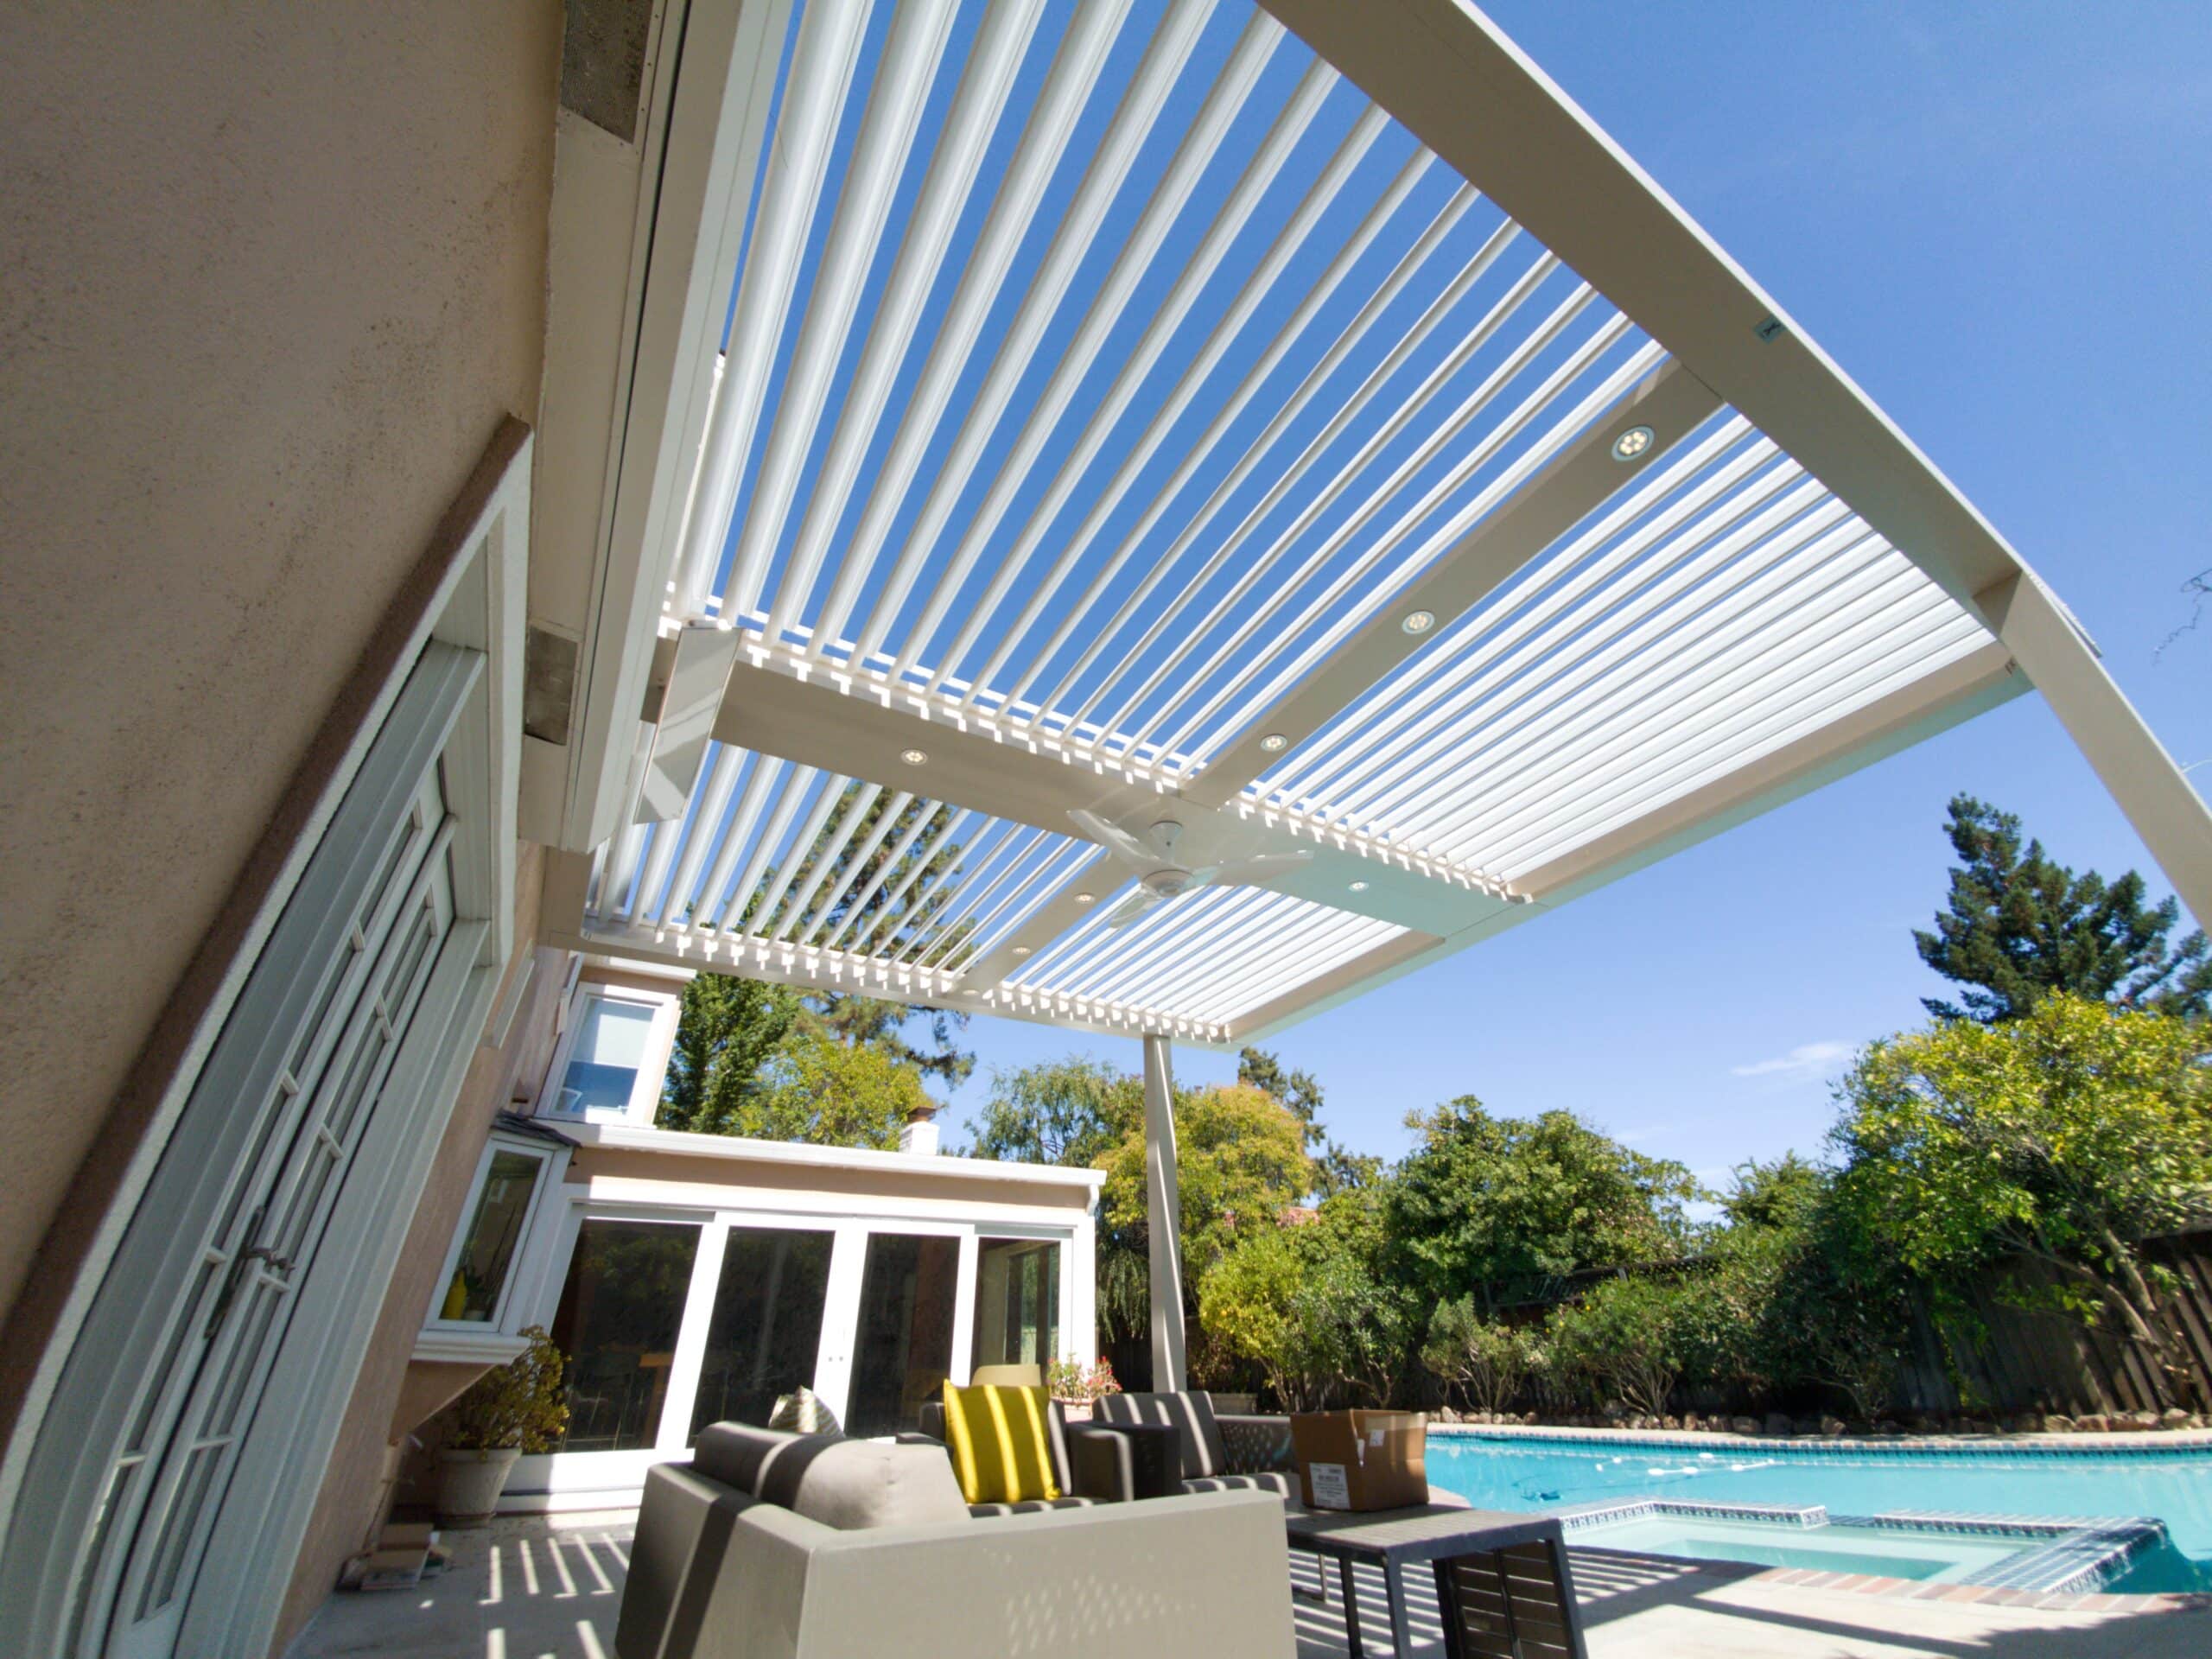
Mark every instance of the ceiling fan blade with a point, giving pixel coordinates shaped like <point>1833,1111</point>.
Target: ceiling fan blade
<point>1263,867</point>
<point>1132,907</point>
<point>1114,837</point>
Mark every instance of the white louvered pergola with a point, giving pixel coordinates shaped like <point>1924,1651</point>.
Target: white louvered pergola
<point>1202,507</point>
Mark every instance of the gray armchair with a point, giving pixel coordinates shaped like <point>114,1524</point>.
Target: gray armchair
<point>1221,1451</point>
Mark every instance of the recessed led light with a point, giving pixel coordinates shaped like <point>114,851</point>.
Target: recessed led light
<point>1633,443</point>
<point>1085,898</point>
<point>914,757</point>
<point>1359,886</point>
<point>1418,621</point>
<point>1275,742</point>
<point>1020,950</point>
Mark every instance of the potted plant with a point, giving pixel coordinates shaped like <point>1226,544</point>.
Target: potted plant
<point>1079,1388</point>
<point>516,1408</point>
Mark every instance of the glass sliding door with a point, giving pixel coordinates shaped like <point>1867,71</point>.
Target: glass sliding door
<point>1017,1301</point>
<point>765,1333</point>
<point>902,1349</point>
<point>619,1316</point>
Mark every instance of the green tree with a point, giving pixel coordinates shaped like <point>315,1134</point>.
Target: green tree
<point>727,1030</point>
<point>2019,925</point>
<point>817,1089</point>
<point>878,1023</point>
<point>1072,1112</point>
<point>1497,1205</point>
<point>2065,1136</point>
<point>1308,1304</point>
<point>1258,1069</point>
<point>1240,1163</point>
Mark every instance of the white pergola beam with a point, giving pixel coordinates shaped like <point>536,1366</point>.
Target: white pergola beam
<point>2165,810</point>
<point>1915,712</point>
<point>1672,402</point>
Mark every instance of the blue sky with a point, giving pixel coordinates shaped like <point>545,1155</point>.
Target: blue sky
<point>1995,218</point>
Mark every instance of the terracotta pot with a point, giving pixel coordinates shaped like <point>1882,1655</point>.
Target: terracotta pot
<point>469,1484</point>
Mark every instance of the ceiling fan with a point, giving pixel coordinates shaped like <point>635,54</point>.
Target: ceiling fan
<point>1161,876</point>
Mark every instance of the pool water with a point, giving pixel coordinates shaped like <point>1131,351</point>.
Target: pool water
<point>1881,1551</point>
<point>1502,1471</point>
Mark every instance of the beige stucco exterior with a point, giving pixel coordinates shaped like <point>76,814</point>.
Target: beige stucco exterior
<point>270,278</point>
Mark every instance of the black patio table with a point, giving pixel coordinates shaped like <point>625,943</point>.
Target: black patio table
<point>1466,1547</point>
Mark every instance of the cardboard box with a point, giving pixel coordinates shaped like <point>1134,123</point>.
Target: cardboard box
<point>1360,1460</point>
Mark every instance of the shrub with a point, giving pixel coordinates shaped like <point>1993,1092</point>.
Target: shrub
<point>1488,1361</point>
<point>519,1407</point>
<point>1626,1336</point>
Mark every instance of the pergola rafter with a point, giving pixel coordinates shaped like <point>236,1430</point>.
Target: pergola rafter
<point>1295,423</point>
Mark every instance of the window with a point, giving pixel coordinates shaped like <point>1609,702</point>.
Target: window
<point>903,1348</point>
<point>610,1065</point>
<point>1017,1301</point>
<point>767,1328</point>
<point>620,1314</point>
<point>487,1245</point>
<point>495,1282</point>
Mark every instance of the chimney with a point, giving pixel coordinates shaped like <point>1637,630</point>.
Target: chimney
<point>919,1133</point>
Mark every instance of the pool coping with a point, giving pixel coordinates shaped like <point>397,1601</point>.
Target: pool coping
<point>1805,1578</point>
<point>2140,1443</point>
<point>2063,1555</point>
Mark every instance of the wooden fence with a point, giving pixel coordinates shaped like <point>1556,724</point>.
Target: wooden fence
<point>2045,1361</point>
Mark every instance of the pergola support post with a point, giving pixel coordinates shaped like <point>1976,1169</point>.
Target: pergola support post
<point>2166,812</point>
<point>1163,1215</point>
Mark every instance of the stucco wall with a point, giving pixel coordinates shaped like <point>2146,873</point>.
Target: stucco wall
<point>268,278</point>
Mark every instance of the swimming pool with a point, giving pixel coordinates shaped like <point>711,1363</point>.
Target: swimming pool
<point>1500,1470</point>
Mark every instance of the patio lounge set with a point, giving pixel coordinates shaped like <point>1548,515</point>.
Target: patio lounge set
<point>1170,1535</point>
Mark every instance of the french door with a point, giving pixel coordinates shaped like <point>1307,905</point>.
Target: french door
<point>673,1321</point>
<point>168,1380</point>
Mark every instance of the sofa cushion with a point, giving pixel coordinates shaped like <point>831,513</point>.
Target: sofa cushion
<point>1035,1506</point>
<point>1204,1452</point>
<point>1284,1483</point>
<point>856,1485</point>
<point>1001,1443</point>
<point>735,1453</point>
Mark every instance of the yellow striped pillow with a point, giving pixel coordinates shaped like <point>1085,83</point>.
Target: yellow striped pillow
<point>1000,1441</point>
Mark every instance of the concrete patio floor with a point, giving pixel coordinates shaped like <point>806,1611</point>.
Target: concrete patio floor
<point>529,1587</point>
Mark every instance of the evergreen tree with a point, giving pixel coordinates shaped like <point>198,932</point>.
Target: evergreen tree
<point>2019,925</point>
<point>727,1030</point>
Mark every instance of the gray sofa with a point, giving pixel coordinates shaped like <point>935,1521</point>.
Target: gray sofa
<point>774,1546</point>
<point>1221,1451</point>
<point>1090,1464</point>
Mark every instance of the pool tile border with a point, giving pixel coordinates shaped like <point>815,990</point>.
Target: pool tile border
<point>2071,1556</point>
<point>2146,1443</point>
<point>1807,1578</point>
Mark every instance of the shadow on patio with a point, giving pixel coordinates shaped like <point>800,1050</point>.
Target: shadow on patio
<point>527,1587</point>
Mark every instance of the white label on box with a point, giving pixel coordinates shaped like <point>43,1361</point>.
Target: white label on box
<point>1374,1437</point>
<point>1326,1487</point>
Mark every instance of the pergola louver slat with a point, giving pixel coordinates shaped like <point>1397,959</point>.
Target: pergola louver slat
<point>1114,384</point>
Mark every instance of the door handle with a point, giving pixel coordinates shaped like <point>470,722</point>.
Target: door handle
<point>239,1262</point>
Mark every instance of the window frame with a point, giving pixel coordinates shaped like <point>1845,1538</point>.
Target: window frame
<point>500,1338</point>
<point>644,1104</point>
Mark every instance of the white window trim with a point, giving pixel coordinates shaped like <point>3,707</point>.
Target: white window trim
<point>520,1304</point>
<point>559,1480</point>
<point>652,1067</point>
